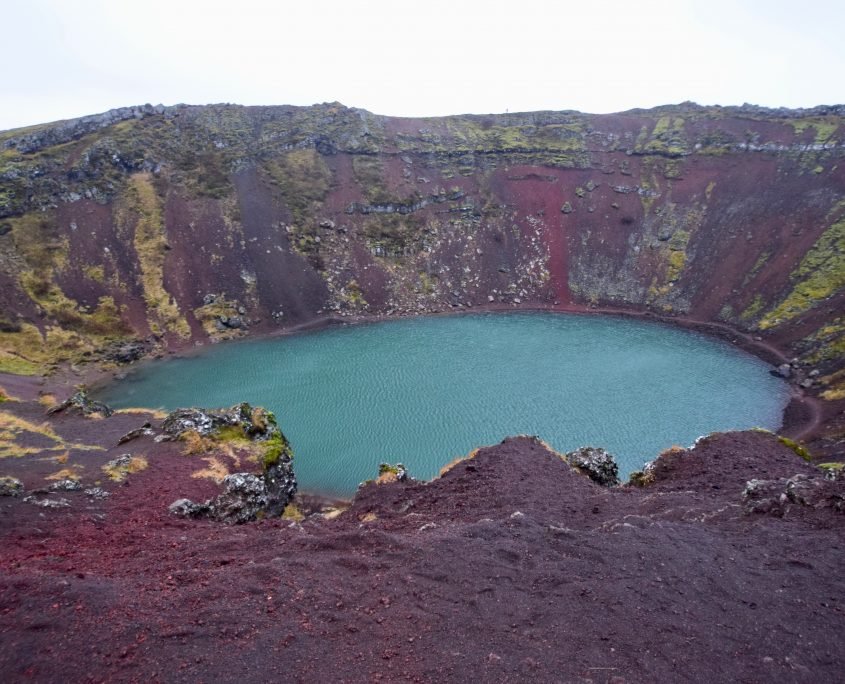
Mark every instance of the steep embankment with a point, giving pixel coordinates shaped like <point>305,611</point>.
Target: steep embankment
<point>512,566</point>
<point>175,224</point>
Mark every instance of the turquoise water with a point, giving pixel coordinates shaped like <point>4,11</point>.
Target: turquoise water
<point>423,391</point>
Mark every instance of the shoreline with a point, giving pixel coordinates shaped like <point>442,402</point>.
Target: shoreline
<point>801,419</point>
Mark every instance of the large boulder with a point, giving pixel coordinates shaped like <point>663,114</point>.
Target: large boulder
<point>245,496</point>
<point>595,463</point>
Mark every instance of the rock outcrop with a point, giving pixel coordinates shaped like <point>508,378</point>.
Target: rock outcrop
<point>776,496</point>
<point>245,496</point>
<point>80,401</point>
<point>596,464</point>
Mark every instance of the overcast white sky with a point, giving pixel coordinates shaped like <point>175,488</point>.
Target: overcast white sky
<point>66,58</point>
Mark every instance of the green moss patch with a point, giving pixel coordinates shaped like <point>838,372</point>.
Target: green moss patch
<point>303,180</point>
<point>275,448</point>
<point>799,449</point>
<point>820,274</point>
<point>141,206</point>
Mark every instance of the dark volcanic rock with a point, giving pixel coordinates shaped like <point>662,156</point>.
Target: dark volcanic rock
<point>80,400</point>
<point>185,508</point>
<point>127,352</point>
<point>784,370</point>
<point>146,430</point>
<point>280,484</point>
<point>256,423</point>
<point>596,464</point>
<point>10,486</point>
<point>776,496</point>
<point>66,485</point>
<point>245,496</point>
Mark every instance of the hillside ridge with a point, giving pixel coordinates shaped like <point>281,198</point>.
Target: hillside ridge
<point>162,227</point>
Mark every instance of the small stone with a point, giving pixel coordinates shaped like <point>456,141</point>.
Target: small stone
<point>185,508</point>
<point>784,371</point>
<point>97,493</point>
<point>66,485</point>
<point>122,461</point>
<point>47,503</point>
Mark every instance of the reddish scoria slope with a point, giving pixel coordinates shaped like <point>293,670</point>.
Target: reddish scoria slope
<point>510,567</point>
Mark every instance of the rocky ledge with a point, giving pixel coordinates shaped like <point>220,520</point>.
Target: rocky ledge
<point>722,562</point>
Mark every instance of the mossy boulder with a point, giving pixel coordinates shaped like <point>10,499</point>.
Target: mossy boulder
<point>245,496</point>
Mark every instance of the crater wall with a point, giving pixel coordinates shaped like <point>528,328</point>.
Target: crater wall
<point>176,225</point>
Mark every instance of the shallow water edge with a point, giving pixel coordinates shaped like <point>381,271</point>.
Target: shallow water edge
<point>503,375</point>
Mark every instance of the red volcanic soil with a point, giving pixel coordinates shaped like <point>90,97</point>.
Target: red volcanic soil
<point>510,567</point>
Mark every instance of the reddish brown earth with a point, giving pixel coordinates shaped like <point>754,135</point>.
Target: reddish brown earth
<point>510,567</point>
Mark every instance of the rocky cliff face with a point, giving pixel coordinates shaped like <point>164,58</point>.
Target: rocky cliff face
<point>179,224</point>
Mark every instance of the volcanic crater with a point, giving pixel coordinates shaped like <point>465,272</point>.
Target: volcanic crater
<point>149,230</point>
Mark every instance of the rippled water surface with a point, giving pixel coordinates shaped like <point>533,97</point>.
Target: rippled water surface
<point>423,391</point>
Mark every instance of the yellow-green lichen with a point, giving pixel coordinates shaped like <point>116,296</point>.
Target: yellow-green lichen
<point>753,309</point>
<point>667,138</point>
<point>823,127</point>
<point>141,204</point>
<point>834,385</point>
<point>210,316</point>
<point>828,341</point>
<point>37,438</point>
<point>30,351</point>
<point>303,180</point>
<point>95,273</point>
<point>119,469</point>
<point>820,274</point>
<point>677,257</point>
<point>799,449</point>
<point>351,295</point>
